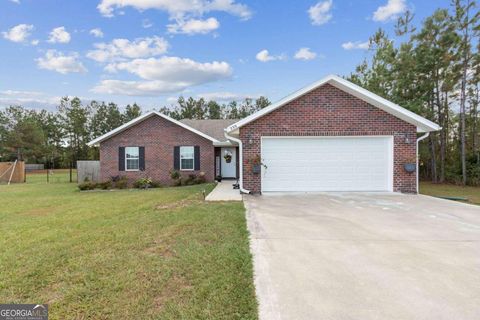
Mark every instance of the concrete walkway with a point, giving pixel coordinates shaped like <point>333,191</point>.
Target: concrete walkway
<point>224,192</point>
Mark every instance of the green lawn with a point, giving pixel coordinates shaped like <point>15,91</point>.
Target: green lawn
<point>451,190</point>
<point>130,254</point>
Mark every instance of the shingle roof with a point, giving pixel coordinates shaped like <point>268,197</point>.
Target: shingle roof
<point>213,128</point>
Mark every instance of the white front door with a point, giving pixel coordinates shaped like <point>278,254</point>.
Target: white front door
<point>229,162</point>
<point>327,164</point>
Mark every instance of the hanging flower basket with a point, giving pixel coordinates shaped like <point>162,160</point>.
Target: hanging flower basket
<point>227,157</point>
<point>257,164</point>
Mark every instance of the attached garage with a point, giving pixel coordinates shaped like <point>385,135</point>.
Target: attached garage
<point>330,136</point>
<point>312,164</point>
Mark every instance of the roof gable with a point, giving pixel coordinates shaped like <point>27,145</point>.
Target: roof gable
<point>422,124</point>
<point>143,117</point>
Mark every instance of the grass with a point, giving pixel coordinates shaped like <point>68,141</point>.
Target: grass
<point>129,254</point>
<point>451,190</point>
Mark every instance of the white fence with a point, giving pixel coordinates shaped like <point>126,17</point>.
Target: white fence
<point>88,170</point>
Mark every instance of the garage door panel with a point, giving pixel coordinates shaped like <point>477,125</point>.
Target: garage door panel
<point>327,164</point>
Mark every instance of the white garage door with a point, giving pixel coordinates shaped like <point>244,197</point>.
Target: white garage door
<point>327,164</point>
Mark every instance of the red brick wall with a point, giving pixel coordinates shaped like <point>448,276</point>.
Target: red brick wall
<point>328,111</point>
<point>158,136</point>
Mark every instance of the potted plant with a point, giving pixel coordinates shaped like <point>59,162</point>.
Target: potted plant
<point>228,157</point>
<point>410,165</point>
<point>257,164</point>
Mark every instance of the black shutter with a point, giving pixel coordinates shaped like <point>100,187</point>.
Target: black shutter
<point>196,158</point>
<point>121,159</point>
<point>176,158</point>
<point>141,155</point>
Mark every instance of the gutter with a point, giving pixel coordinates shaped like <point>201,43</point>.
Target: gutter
<point>240,151</point>
<point>418,140</point>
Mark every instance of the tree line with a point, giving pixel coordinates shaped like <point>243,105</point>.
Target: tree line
<point>57,139</point>
<point>434,70</point>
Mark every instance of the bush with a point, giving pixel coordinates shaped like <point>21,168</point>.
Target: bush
<point>120,182</point>
<point>104,185</point>
<point>200,178</point>
<point>155,184</point>
<point>175,175</point>
<point>189,180</point>
<point>142,183</point>
<point>178,182</point>
<point>87,186</point>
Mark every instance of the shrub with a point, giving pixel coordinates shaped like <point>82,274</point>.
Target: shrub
<point>178,182</point>
<point>175,175</point>
<point>105,185</point>
<point>200,178</point>
<point>87,185</point>
<point>142,183</point>
<point>190,179</point>
<point>155,184</point>
<point>121,182</point>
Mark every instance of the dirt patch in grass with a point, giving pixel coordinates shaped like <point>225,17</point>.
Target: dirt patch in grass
<point>179,204</point>
<point>164,244</point>
<point>39,211</point>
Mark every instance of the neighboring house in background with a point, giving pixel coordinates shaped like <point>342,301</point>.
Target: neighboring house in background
<point>330,136</point>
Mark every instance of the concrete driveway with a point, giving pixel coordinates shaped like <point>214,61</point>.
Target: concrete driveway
<point>365,256</point>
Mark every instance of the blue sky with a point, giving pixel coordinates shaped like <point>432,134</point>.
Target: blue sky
<point>152,51</point>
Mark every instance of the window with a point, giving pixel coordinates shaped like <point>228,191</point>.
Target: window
<point>186,158</point>
<point>132,159</point>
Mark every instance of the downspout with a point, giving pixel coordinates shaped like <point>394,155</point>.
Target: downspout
<point>418,140</point>
<point>240,151</point>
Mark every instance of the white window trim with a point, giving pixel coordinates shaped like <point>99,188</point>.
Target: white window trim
<point>193,158</point>
<point>126,167</point>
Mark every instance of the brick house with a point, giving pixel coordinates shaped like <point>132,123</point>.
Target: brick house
<point>330,136</point>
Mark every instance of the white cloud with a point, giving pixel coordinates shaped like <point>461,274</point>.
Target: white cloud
<point>264,56</point>
<point>60,62</point>
<point>355,45</point>
<point>59,35</point>
<point>177,8</point>
<point>19,33</point>
<point>305,54</point>
<point>97,33</point>
<point>320,13</point>
<point>136,88</point>
<point>174,69</point>
<point>14,93</point>
<point>390,11</point>
<point>33,99</point>
<point>121,49</point>
<point>226,96</point>
<point>35,42</point>
<point>29,99</point>
<point>163,75</point>
<point>194,26</point>
<point>15,1</point>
